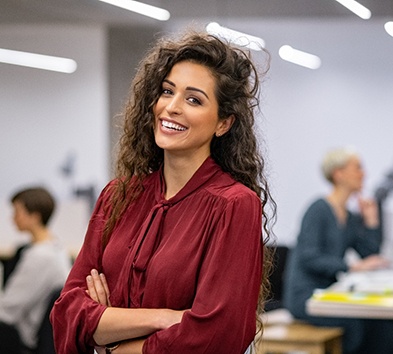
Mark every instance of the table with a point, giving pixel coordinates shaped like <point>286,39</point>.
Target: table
<point>356,295</point>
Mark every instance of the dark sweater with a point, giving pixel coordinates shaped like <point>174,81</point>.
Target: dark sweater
<point>319,253</point>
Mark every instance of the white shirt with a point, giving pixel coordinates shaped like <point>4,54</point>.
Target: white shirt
<point>42,268</point>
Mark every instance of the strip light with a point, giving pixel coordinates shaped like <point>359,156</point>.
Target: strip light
<point>38,61</point>
<point>357,8</point>
<point>299,57</point>
<point>389,27</point>
<point>239,38</point>
<point>141,8</point>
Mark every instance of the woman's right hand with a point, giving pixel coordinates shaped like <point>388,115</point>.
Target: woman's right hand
<point>133,324</point>
<point>97,287</point>
<point>370,213</point>
<point>98,290</point>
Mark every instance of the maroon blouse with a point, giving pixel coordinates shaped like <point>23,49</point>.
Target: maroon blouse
<point>200,249</point>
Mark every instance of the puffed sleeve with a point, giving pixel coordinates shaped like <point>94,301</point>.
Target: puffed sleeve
<point>75,316</point>
<point>223,316</point>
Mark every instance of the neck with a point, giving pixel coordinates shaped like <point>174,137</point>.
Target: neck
<point>177,172</point>
<point>338,199</point>
<point>339,196</point>
<point>40,234</point>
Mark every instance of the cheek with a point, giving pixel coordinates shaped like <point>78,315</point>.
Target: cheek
<point>155,114</point>
<point>18,223</point>
<point>158,106</point>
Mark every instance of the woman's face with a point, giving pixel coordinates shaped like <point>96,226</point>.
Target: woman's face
<point>351,175</point>
<point>186,113</point>
<point>22,218</point>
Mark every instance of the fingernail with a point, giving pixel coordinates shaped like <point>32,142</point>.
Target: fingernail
<point>94,272</point>
<point>89,278</point>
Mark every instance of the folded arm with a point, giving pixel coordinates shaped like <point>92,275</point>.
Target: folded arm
<point>119,324</point>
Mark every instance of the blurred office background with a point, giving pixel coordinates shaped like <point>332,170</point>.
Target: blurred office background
<point>59,129</point>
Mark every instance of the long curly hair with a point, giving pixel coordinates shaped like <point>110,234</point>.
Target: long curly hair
<point>236,152</point>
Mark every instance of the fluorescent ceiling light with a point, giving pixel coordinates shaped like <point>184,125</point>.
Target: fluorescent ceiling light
<point>299,57</point>
<point>389,27</point>
<point>141,8</point>
<point>357,8</point>
<point>239,38</point>
<point>37,61</point>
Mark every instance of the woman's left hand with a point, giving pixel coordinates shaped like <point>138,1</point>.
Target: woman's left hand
<point>372,262</point>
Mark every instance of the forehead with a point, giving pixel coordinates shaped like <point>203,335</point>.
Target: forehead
<point>192,72</point>
<point>353,161</point>
<point>19,206</point>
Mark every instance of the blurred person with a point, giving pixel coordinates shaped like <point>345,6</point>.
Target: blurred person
<point>42,267</point>
<point>172,258</point>
<point>328,230</point>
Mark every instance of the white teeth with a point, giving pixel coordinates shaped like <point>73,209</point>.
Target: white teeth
<point>171,125</point>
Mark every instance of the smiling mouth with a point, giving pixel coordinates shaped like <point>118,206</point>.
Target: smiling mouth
<point>172,126</point>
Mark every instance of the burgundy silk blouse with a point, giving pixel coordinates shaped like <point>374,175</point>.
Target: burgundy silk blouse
<point>199,250</point>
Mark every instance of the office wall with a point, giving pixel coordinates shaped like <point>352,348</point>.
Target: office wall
<point>305,112</point>
<point>47,118</point>
<point>126,47</point>
<point>348,101</point>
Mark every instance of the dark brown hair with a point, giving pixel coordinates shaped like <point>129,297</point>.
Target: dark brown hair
<point>36,200</point>
<point>236,152</point>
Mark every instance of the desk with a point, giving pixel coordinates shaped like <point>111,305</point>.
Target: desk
<point>356,295</point>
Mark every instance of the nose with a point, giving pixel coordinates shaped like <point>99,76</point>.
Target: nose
<point>174,106</point>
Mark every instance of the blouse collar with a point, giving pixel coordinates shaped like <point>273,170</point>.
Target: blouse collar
<point>204,173</point>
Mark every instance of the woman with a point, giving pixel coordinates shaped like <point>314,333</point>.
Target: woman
<point>173,251</point>
<point>327,231</point>
<point>41,269</point>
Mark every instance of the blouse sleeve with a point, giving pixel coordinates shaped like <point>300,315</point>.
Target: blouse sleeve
<point>223,316</point>
<point>75,316</point>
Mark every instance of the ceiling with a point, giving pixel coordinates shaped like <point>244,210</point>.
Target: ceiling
<point>96,12</point>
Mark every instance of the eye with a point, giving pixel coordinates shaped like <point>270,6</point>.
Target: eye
<point>166,91</point>
<point>194,101</point>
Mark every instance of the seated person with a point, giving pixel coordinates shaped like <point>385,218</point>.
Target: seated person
<point>42,267</point>
<point>328,230</point>
<point>9,264</point>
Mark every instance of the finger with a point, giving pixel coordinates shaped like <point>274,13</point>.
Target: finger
<point>99,288</point>
<point>90,288</point>
<point>106,287</point>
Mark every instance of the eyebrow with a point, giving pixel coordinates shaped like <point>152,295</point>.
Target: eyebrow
<point>188,88</point>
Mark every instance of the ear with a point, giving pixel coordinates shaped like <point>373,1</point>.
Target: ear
<point>224,125</point>
<point>336,176</point>
<point>36,217</point>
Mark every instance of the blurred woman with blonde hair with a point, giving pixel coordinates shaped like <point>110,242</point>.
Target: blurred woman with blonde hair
<point>328,230</point>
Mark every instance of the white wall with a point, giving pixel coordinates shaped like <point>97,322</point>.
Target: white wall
<point>347,101</point>
<point>46,116</point>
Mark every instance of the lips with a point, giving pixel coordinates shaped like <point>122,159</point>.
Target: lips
<point>172,126</point>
